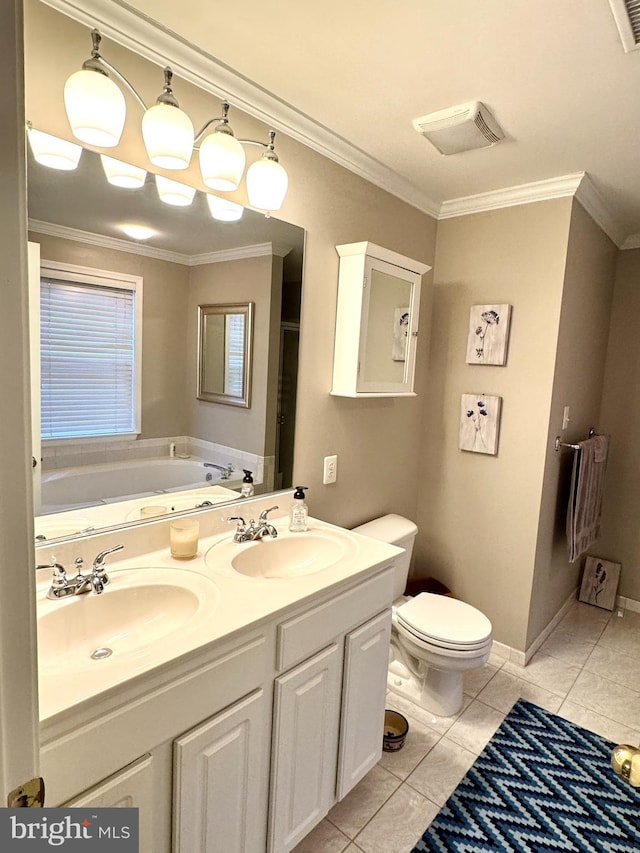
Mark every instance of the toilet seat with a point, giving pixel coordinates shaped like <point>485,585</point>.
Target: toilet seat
<point>444,622</point>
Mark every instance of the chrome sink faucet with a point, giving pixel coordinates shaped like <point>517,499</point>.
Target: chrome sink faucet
<point>96,580</point>
<point>253,532</point>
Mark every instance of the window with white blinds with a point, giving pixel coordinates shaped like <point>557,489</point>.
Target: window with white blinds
<point>89,355</point>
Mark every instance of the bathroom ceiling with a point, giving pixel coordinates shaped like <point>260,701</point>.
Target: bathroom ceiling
<point>554,75</point>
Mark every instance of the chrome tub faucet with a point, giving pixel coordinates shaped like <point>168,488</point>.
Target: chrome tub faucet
<point>225,470</point>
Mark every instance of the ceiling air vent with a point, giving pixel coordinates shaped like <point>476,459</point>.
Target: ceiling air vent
<point>460,128</point>
<point>627,15</point>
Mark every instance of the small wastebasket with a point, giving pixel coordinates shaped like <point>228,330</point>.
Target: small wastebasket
<point>396,727</point>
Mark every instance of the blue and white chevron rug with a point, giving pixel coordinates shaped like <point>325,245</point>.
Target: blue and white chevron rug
<point>541,784</point>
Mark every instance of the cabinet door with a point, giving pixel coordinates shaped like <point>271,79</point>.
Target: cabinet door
<point>305,745</point>
<point>220,775</point>
<point>363,700</point>
<point>131,787</point>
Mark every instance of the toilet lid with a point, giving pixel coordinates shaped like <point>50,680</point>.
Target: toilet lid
<point>444,620</point>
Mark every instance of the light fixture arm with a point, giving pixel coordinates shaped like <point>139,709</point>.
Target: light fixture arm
<point>223,127</point>
<point>99,63</point>
<point>269,154</point>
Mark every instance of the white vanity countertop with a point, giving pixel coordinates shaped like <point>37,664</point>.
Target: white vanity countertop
<point>229,604</point>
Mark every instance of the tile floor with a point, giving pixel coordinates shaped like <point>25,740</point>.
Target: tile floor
<point>587,671</point>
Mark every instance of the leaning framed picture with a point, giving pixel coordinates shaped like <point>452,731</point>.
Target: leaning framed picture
<point>600,582</point>
<point>488,336</point>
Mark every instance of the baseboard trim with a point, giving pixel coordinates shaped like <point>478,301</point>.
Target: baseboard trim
<point>627,604</point>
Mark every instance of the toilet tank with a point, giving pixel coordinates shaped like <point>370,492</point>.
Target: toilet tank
<point>399,531</point>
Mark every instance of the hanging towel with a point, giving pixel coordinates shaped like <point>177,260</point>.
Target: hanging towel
<point>585,497</point>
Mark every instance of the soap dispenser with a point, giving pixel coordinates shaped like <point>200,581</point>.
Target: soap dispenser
<point>299,512</point>
<point>247,484</point>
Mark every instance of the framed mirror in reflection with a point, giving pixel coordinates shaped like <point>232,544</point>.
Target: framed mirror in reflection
<point>225,335</point>
<point>192,447</point>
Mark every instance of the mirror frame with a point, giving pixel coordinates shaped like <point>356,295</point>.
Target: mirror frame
<point>204,311</point>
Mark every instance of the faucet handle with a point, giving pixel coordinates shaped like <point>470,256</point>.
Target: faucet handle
<point>264,513</point>
<point>241,527</point>
<point>98,563</point>
<point>59,578</point>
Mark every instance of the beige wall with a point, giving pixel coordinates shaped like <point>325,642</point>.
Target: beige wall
<point>248,280</point>
<point>577,383</point>
<point>478,514</point>
<point>377,441</point>
<point>164,310</point>
<point>620,418</point>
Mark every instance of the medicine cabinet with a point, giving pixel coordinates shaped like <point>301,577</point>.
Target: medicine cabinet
<point>376,322</point>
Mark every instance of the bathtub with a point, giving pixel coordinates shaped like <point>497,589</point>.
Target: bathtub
<point>85,485</point>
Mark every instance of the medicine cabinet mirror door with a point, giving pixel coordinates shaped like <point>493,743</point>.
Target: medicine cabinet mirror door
<point>389,326</point>
<point>224,353</point>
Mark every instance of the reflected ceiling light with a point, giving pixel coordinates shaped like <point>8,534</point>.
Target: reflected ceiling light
<point>96,109</point>
<point>173,192</point>
<point>52,151</point>
<point>137,232</point>
<point>122,174</point>
<point>224,210</point>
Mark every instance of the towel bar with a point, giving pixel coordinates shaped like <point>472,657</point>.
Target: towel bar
<point>559,444</point>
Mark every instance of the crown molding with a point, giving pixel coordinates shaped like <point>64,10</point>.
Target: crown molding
<point>104,242</point>
<point>240,254</point>
<point>590,198</point>
<point>561,187</point>
<point>159,45</point>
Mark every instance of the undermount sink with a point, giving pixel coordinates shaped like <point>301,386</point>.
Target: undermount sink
<point>286,557</point>
<point>138,610</point>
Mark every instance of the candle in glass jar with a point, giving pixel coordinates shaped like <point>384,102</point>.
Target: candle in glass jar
<point>150,511</point>
<point>184,538</point>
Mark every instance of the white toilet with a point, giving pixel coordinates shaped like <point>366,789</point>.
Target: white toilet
<point>434,638</point>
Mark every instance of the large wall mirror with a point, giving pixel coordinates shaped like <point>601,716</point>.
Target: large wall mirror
<point>186,260</point>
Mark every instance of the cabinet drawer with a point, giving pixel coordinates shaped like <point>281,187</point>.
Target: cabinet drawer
<point>300,637</point>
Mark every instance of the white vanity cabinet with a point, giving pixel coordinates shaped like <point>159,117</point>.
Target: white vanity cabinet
<point>329,708</point>
<point>219,781</point>
<point>131,787</point>
<point>376,322</point>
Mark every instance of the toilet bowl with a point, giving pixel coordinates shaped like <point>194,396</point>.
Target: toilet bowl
<point>434,639</point>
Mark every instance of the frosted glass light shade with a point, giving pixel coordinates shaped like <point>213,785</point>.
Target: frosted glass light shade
<point>122,174</point>
<point>222,161</point>
<point>173,192</point>
<point>168,136</point>
<point>53,152</point>
<point>267,184</point>
<point>95,107</point>
<point>224,210</point>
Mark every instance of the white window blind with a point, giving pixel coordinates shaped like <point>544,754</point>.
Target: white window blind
<point>234,360</point>
<point>88,359</point>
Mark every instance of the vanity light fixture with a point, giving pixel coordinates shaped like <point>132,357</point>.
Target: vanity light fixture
<point>224,210</point>
<point>122,174</point>
<point>96,110</point>
<point>52,151</point>
<point>173,192</point>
